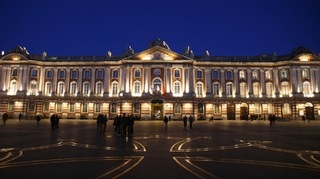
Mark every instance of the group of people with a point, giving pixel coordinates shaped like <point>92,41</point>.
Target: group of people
<point>101,123</point>
<point>272,119</point>
<point>124,123</point>
<point>185,120</point>
<point>54,119</point>
<point>304,119</point>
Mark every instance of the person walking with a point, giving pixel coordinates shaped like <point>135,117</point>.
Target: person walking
<point>185,120</point>
<point>165,120</point>
<point>124,123</point>
<point>191,119</point>
<point>5,117</point>
<point>99,121</point>
<point>130,125</point>
<point>38,118</point>
<point>20,117</point>
<point>105,120</point>
<point>53,121</point>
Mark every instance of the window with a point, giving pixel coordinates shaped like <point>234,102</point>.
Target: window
<point>113,107</point>
<point>285,89</point>
<point>98,107</point>
<point>270,108</point>
<point>217,108</point>
<point>31,106</point>
<point>256,89</point>
<point>73,89</point>
<point>268,75</point>
<point>176,88</point>
<point>99,88</point>
<point>15,72</point>
<point>114,88</point>
<point>99,74</point>
<point>200,108</point>
<point>33,88</point>
<point>49,74</point>
<point>137,85</point>
<point>216,88</point>
<point>61,74</point>
<point>13,87</point>
<point>46,107</point>
<point>229,89</point>
<point>60,88</point>
<point>157,86</point>
<point>269,90</point>
<point>283,74</point>
<point>34,73</point>
<point>86,88</point>
<point>115,74</point>
<point>177,108</point>
<point>242,75</point>
<point>137,73</point>
<point>286,108</point>
<point>306,89</point>
<point>136,108</point>
<point>229,75</point>
<point>48,89</point>
<point>86,74</point>
<point>71,107</point>
<point>74,74</point>
<point>177,73</point>
<point>243,89</point>
<point>257,108</point>
<point>199,74</point>
<point>200,89</point>
<point>11,106</point>
<point>255,75</point>
<point>305,73</point>
<point>215,74</point>
<point>84,107</point>
<point>59,107</point>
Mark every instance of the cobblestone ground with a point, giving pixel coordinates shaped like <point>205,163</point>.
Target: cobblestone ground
<point>219,149</point>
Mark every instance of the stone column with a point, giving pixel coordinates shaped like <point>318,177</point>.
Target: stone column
<point>67,81</point>
<point>236,82</point>
<point>263,84</point>
<point>8,77</point>
<point>299,87</point>
<point>186,81</point>
<point>20,87</point>
<point>276,82</point>
<point>317,80</point>
<point>106,81</point>
<point>80,81</point>
<point>2,78</point>
<point>249,83</point>
<point>208,82</point>
<point>223,83</point>
<point>93,77</point>
<point>127,79</point>
<point>312,80</point>
<point>192,80</point>
<point>293,80</point>
<point>41,82</point>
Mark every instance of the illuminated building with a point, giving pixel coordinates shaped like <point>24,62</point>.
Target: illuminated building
<point>158,82</point>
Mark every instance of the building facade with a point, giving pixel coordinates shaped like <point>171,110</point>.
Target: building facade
<point>158,82</point>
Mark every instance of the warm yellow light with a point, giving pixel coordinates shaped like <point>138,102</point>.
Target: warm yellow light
<point>304,58</point>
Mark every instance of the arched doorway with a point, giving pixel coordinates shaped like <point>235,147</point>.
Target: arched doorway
<point>231,111</point>
<point>309,111</point>
<point>244,111</point>
<point>156,109</point>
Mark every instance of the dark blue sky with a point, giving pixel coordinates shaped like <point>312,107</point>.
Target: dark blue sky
<point>224,27</point>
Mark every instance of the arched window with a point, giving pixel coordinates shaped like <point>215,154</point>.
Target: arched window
<point>268,75</point>
<point>73,88</point>
<point>157,86</point>
<point>137,88</point>
<point>306,89</point>
<point>115,74</point>
<point>283,74</point>
<point>216,89</point>
<point>71,107</point>
<point>113,107</point>
<point>286,108</point>
<point>15,72</point>
<point>60,88</point>
<point>285,89</point>
<point>13,87</point>
<point>86,87</point>
<point>305,73</point>
<point>84,107</point>
<point>200,108</point>
<point>86,74</point>
<point>242,74</point>
<point>177,90</point>
<point>255,75</point>
<point>99,88</point>
<point>229,75</point>
<point>256,89</point>
<point>114,88</point>
<point>229,89</point>
<point>33,87</point>
<point>177,108</point>
<point>98,107</point>
<point>200,89</point>
<point>99,74</point>
<point>243,89</point>
<point>48,89</point>
<point>269,90</point>
<point>215,74</point>
<point>136,108</point>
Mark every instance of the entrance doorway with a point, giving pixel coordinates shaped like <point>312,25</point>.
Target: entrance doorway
<point>156,110</point>
<point>309,113</point>
<point>231,112</point>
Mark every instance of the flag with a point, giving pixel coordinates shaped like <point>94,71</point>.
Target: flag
<point>164,91</point>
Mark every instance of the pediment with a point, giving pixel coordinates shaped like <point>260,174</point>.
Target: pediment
<point>158,53</point>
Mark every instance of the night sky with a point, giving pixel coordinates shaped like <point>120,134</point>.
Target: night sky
<point>223,27</point>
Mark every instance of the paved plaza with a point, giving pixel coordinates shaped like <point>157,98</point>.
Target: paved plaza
<point>219,149</point>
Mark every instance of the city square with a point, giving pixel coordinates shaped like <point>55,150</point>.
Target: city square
<point>218,149</point>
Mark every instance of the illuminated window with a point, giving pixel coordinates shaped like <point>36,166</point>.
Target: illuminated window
<point>242,75</point>
<point>216,89</point>
<point>306,89</point>
<point>84,107</point>
<point>257,108</point>
<point>243,89</point>
<point>73,88</point>
<point>46,107</point>
<point>270,108</point>
<point>137,87</point>
<point>229,89</point>
<point>113,107</point>
<point>256,89</point>
<point>269,90</point>
<point>283,74</point>
<point>177,108</point>
<point>176,88</point>
<point>200,89</point>
<point>58,107</point>
<point>31,106</point>
<point>255,75</point>
<point>86,87</point>
<point>217,108</point>
<point>305,73</point>
<point>285,89</point>
<point>136,108</point>
<point>48,89</point>
<point>33,88</point>
<point>268,75</point>
<point>71,107</point>
<point>286,108</point>
<point>99,88</point>
<point>60,88</point>
<point>114,88</point>
<point>11,106</point>
<point>98,107</point>
<point>13,87</point>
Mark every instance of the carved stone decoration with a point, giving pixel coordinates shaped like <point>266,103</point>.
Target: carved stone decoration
<point>159,43</point>
<point>300,50</point>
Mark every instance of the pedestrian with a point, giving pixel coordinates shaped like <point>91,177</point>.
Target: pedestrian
<point>38,118</point>
<point>124,123</point>
<point>105,120</point>
<point>53,121</point>
<point>119,123</point>
<point>191,121</point>
<point>165,120</point>
<point>99,120</point>
<point>185,120</point>
<point>130,125</point>
<point>303,119</point>
<point>5,117</point>
<point>57,122</point>
<point>20,117</point>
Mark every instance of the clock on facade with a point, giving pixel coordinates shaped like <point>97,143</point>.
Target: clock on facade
<point>157,71</point>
